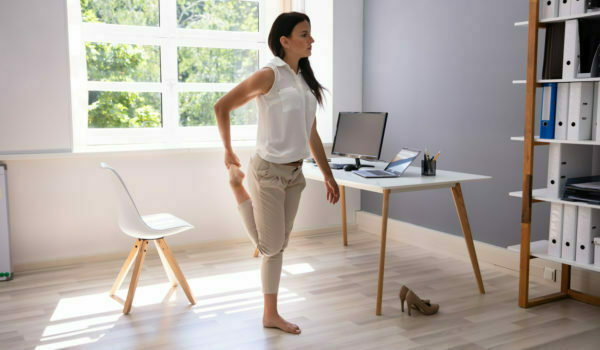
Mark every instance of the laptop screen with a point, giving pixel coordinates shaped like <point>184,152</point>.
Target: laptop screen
<point>402,160</point>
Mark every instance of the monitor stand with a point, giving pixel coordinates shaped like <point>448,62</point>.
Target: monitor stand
<point>355,166</point>
<point>358,165</point>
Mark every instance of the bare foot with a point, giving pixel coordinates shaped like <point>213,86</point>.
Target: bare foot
<point>235,175</point>
<point>278,322</point>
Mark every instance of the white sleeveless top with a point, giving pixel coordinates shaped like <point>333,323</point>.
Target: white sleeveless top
<point>285,116</point>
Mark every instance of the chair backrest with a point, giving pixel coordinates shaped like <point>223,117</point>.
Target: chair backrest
<point>130,221</point>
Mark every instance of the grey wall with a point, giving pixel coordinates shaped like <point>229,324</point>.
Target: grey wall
<point>443,71</point>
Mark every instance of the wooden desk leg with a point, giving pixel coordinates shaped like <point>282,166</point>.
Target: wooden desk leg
<point>466,229</point>
<point>344,227</point>
<point>384,217</point>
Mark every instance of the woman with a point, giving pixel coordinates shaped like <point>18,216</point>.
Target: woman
<point>287,94</point>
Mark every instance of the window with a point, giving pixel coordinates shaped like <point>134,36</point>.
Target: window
<point>150,71</point>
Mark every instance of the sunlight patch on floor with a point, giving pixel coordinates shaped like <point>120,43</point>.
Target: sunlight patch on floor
<point>216,295</point>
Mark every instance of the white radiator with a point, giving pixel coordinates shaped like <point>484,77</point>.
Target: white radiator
<point>6,272</point>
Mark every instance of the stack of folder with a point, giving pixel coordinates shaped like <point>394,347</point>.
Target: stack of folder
<point>561,8</point>
<point>570,111</point>
<point>573,230</point>
<point>583,189</point>
<point>567,161</point>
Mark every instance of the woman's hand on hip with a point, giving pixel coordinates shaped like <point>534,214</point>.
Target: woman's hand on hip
<point>333,191</point>
<point>231,159</point>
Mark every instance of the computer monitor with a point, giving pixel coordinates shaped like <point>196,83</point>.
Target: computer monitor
<point>359,135</point>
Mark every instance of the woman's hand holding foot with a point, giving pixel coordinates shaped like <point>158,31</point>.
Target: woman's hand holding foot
<point>231,159</point>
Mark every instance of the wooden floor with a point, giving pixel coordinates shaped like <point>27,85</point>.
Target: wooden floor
<point>328,289</point>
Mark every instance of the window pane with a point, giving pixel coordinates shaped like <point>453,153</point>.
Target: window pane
<point>227,15</point>
<point>130,12</point>
<point>114,109</point>
<point>196,108</point>
<point>122,62</point>
<point>209,65</point>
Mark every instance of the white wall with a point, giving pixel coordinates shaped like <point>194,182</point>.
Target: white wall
<point>347,57</point>
<point>64,207</point>
<point>35,110</point>
<point>61,207</point>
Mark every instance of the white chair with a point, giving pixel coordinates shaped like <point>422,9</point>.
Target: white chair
<point>143,229</point>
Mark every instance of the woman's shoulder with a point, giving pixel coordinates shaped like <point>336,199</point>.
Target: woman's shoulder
<point>265,78</point>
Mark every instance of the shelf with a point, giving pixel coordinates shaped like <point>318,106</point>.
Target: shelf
<point>568,142</point>
<point>540,194</point>
<point>561,19</point>
<point>539,249</point>
<point>542,81</point>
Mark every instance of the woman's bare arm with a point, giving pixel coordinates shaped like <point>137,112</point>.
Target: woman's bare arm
<point>257,84</point>
<point>318,152</point>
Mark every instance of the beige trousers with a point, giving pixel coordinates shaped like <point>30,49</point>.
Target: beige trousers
<point>269,215</point>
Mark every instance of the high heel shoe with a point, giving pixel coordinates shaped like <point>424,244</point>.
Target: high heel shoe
<point>402,295</point>
<point>412,300</point>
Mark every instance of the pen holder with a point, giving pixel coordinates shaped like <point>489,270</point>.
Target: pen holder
<point>428,167</point>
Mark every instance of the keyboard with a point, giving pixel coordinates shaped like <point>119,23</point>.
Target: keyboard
<point>378,172</point>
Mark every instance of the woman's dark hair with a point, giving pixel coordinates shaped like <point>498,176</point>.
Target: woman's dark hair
<point>283,26</point>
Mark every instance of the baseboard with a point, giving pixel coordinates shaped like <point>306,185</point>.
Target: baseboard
<point>58,263</point>
<point>453,245</point>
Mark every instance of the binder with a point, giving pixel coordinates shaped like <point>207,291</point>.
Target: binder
<point>589,41</point>
<point>571,50</point>
<point>565,160</point>
<point>550,8</point>
<point>564,8</point>
<point>587,229</point>
<point>581,100</point>
<point>555,234</point>
<point>569,232</point>
<point>548,111</point>
<point>592,5</point>
<point>552,67</point>
<point>596,113</point>
<point>562,111</point>
<point>597,251</point>
<point>577,7</point>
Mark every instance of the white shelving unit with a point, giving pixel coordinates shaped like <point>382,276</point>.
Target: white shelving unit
<point>568,142</point>
<point>560,19</point>
<point>541,194</point>
<point>538,249</point>
<point>542,81</point>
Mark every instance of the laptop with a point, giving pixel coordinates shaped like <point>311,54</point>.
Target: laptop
<point>395,168</point>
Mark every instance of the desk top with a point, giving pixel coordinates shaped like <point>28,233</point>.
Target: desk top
<point>411,180</point>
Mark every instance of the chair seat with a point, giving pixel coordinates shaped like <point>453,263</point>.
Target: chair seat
<point>162,225</point>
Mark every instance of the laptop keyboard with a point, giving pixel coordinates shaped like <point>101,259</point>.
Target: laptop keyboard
<point>378,172</point>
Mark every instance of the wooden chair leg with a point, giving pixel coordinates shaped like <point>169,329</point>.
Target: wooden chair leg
<point>126,266</point>
<point>256,253</point>
<point>461,209</point>
<point>176,270</point>
<point>137,270</point>
<point>165,265</point>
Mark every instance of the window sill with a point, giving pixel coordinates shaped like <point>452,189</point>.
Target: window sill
<point>133,150</point>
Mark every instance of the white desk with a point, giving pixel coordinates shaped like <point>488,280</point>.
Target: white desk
<point>411,180</point>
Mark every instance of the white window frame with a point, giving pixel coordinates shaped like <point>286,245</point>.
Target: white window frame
<point>171,134</point>
<point>167,37</point>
